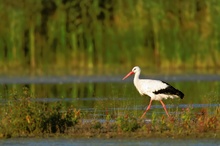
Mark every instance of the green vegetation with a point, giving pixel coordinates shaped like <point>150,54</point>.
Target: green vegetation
<point>21,116</point>
<point>86,37</point>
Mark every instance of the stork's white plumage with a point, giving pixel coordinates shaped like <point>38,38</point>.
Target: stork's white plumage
<point>155,89</point>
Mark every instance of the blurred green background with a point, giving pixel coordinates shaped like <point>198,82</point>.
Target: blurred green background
<point>84,37</point>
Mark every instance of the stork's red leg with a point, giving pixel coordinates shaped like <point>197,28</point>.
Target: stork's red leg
<point>164,106</point>
<point>146,109</point>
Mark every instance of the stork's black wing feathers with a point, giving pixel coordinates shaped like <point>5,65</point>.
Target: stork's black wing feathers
<point>170,90</point>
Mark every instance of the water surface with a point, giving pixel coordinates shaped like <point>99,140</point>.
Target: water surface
<point>109,142</point>
<point>104,94</point>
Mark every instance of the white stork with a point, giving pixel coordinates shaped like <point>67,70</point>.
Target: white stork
<point>155,89</point>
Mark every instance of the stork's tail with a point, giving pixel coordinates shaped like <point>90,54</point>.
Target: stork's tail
<point>176,92</point>
<point>179,93</point>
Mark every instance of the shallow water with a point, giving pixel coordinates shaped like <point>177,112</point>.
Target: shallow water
<point>100,79</point>
<point>101,95</point>
<point>109,142</point>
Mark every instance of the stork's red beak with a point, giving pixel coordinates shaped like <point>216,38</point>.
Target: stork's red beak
<point>130,73</point>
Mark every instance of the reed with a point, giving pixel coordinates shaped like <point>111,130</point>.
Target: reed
<point>80,37</point>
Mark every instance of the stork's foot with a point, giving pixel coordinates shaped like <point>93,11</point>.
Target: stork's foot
<point>171,118</point>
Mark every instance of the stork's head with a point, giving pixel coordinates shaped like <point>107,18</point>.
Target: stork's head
<point>134,70</point>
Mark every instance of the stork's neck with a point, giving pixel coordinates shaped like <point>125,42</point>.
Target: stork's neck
<point>136,76</point>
